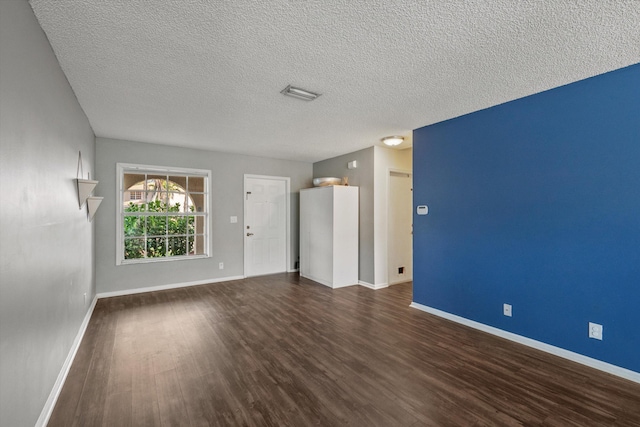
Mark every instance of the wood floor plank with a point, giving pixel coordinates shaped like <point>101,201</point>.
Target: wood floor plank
<point>171,402</point>
<point>65,408</point>
<point>91,407</point>
<point>118,410</point>
<point>284,351</point>
<point>144,397</point>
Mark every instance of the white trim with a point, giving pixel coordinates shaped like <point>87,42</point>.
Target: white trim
<point>120,170</point>
<point>380,214</point>
<point>397,282</point>
<point>548,348</point>
<point>165,169</point>
<point>293,270</point>
<point>47,410</point>
<point>162,259</point>
<point>372,286</point>
<point>327,283</point>
<point>287,191</point>
<point>165,287</point>
<point>342,286</point>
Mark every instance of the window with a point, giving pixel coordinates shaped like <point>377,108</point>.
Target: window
<point>163,213</point>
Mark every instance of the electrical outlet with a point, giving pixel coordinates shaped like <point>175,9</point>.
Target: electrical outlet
<point>233,219</point>
<point>595,331</point>
<point>506,310</point>
<point>221,266</point>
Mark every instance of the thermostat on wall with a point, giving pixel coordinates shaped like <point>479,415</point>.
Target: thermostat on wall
<point>423,210</point>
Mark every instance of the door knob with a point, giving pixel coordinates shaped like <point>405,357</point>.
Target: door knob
<point>249,234</point>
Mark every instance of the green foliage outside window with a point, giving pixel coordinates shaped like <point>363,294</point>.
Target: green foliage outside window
<point>155,236</point>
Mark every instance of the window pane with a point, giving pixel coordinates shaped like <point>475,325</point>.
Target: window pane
<point>177,200</point>
<point>157,201</point>
<point>156,247</point>
<point>191,225</point>
<point>134,248</point>
<point>177,225</point>
<point>196,184</point>
<point>177,246</point>
<point>189,205</point>
<point>134,226</point>
<point>134,181</point>
<point>178,181</point>
<point>156,182</point>
<point>156,225</point>
<point>198,202</point>
<point>138,201</point>
<point>199,225</point>
<point>129,205</point>
<point>133,196</point>
<point>196,245</point>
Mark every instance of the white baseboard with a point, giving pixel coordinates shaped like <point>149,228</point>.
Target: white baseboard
<point>557,351</point>
<point>47,410</point>
<point>372,286</point>
<point>343,286</point>
<point>165,287</point>
<point>326,283</point>
<point>397,282</point>
<point>295,270</point>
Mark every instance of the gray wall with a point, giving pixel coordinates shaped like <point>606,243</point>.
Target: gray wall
<point>362,177</point>
<point>226,200</point>
<point>46,242</point>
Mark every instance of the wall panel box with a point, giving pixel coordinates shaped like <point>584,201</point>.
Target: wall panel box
<point>329,235</point>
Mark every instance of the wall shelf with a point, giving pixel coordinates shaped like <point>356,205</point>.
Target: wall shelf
<point>85,188</point>
<point>92,205</point>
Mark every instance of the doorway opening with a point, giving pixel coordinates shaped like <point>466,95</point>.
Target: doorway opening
<point>400,227</point>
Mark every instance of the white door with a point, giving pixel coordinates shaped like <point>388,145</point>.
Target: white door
<point>400,239</point>
<point>265,225</point>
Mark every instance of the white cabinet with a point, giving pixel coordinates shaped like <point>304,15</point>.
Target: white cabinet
<point>329,235</point>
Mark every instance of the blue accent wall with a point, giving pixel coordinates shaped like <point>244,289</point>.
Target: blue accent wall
<point>536,203</point>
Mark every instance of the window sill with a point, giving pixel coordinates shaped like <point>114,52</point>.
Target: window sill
<point>160,259</point>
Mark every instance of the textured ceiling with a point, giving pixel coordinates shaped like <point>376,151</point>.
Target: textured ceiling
<point>208,74</point>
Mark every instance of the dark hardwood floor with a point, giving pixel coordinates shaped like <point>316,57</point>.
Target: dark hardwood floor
<point>285,351</point>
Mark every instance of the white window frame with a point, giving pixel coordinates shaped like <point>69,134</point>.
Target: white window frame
<point>121,169</point>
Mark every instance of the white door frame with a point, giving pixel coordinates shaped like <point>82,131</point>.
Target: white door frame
<point>410,175</point>
<point>287,190</point>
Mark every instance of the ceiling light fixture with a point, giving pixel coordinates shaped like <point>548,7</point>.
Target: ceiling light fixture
<point>296,92</point>
<point>392,141</point>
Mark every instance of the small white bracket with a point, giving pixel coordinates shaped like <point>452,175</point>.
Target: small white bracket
<point>85,188</point>
<point>92,205</point>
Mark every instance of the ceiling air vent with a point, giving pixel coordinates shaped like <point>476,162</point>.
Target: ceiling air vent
<point>296,92</point>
